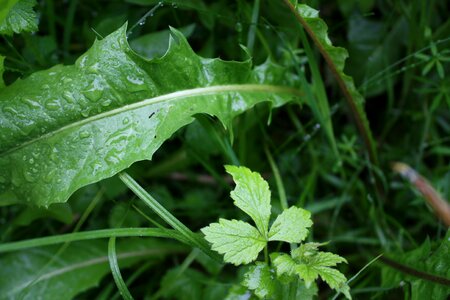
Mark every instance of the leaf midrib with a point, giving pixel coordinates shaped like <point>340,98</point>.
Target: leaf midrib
<point>256,88</point>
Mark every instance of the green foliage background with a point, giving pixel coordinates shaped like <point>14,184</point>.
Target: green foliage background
<point>398,58</point>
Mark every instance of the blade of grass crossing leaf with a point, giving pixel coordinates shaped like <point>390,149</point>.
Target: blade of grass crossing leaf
<point>319,104</point>
<point>90,235</point>
<point>151,202</point>
<point>252,29</point>
<point>115,270</point>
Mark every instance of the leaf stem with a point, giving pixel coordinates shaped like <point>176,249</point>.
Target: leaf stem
<point>192,238</point>
<point>115,270</point>
<point>90,235</point>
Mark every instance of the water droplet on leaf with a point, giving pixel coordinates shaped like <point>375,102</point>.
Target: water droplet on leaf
<point>107,102</point>
<point>85,134</point>
<point>52,104</point>
<point>68,96</point>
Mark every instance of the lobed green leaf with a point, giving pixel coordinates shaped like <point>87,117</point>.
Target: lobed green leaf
<point>252,195</point>
<point>69,126</point>
<point>238,240</point>
<point>291,225</point>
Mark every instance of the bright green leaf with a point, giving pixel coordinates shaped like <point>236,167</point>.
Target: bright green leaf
<point>70,126</point>
<point>291,226</point>
<point>238,240</point>
<point>22,275</point>
<point>308,263</point>
<point>20,18</point>
<point>252,195</point>
<point>261,280</point>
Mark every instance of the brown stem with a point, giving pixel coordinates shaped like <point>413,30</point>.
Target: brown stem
<point>413,272</point>
<point>365,132</point>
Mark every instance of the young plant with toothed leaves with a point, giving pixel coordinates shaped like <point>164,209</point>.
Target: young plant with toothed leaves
<point>279,273</point>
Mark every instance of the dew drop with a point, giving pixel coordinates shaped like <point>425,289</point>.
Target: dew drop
<point>107,102</point>
<point>31,103</point>
<point>52,104</point>
<point>85,134</point>
<point>31,161</point>
<point>160,3</point>
<point>94,91</point>
<point>48,177</point>
<point>317,126</point>
<point>94,68</point>
<point>125,121</point>
<point>68,96</point>
<point>141,23</point>
<point>307,137</point>
<point>30,175</point>
<point>9,110</point>
<point>174,5</point>
<point>238,27</point>
<point>112,159</point>
<point>135,84</point>
<point>85,113</point>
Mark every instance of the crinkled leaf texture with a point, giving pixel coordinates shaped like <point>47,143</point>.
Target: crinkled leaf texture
<point>20,17</point>
<point>22,275</point>
<point>252,195</point>
<point>238,240</point>
<point>291,225</point>
<point>69,126</point>
<point>427,259</point>
<point>308,263</point>
<point>261,279</point>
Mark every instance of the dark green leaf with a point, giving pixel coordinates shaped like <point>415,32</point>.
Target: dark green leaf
<point>252,195</point>
<point>291,225</point>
